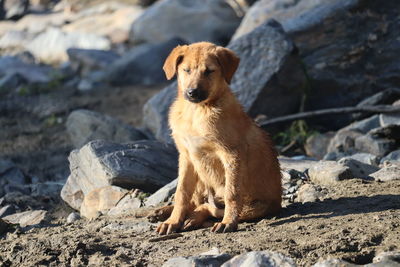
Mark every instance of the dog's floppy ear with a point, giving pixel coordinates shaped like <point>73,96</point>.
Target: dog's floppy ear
<point>173,60</point>
<point>228,62</point>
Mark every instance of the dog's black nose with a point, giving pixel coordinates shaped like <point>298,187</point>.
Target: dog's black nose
<point>193,92</point>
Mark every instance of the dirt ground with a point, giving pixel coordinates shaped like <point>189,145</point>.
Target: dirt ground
<point>357,219</point>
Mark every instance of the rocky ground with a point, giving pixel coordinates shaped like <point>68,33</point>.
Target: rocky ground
<point>355,222</point>
<point>86,152</point>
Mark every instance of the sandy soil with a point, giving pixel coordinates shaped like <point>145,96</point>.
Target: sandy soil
<point>356,221</point>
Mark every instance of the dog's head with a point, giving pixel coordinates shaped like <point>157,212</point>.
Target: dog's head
<point>203,70</point>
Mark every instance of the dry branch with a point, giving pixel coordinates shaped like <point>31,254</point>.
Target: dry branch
<point>330,111</point>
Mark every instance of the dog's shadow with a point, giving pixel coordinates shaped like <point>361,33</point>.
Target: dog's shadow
<point>329,208</point>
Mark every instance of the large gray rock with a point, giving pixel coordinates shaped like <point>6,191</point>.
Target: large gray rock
<point>377,146</point>
<point>194,21</point>
<point>85,125</point>
<point>329,173</point>
<point>27,218</point>
<point>334,263</point>
<point>22,73</point>
<point>145,165</point>
<point>357,168</point>
<point>58,42</point>
<point>87,60</point>
<point>295,164</point>
<point>155,113</point>
<point>392,156</point>
<point>366,158</point>
<point>260,258</point>
<point>198,261</point>
<point>142,65</point>
<point>391,118</point>
<point>263,90</point>
<point>293,15</point>
<point>11,178</point>
<point>162,194</point>
<point>316,146</point>
<point>329,63</point>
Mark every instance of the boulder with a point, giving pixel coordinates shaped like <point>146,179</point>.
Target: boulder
<point>260,258</point>
<point>16,72</point>
<point>329,173</point>
<point>328,63</point>
<point>193,21</point>
<point>86,125</point>
<point>27,218</point>
<point>387,173</point>
<point>11,178</point>
<point>316,145</point>
<point>263,90</point>
<point>391,118</point>
<point>87,60</point>
<point>391,131</point>
<point>392,156</point>
<point>293,15</point>
<point>114,24</point>
<point>146,165</point>
<point>385,97</point>
<point>58,42</point>
<point>344,141</point>
<point>295,164</point>
<point>357,168</point>
<point>376,146</point>
<point>13,9</point>
<point>101,200</point>
<point>34,24</point>
<point>162,194</point>
<point>155,113</point>
<point>198,261</point>
<point>141,65</point>
<point>366,158</point>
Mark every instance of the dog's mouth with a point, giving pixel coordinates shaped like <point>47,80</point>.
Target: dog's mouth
<point>196,96</point>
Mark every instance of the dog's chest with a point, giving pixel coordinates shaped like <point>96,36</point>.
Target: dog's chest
<point>198,146</point>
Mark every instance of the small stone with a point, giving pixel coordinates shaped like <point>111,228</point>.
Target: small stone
<point>387,173</point>
<point>201,260</point>
<point>72,217</point>
<point>308,193</point>
<point>357,168</point>
<point>260,258</point>
<point>334,263</point>
<point>27,218</point>
<point>162,195</point>
<point>329,172</point>
<point>377,146</point>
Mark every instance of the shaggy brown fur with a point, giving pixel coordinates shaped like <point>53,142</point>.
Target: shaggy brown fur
<point>228,167</point>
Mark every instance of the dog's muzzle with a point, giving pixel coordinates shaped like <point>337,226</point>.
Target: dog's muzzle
<point>195,95</point>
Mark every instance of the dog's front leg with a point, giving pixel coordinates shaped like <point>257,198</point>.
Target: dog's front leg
<point>234,174</point>
<point>187,180</point>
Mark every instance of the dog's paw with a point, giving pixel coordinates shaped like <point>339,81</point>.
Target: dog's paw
<point>167,228</point>
<point>224,227</point>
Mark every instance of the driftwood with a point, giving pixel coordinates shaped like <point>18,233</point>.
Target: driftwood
<point>330,111</point>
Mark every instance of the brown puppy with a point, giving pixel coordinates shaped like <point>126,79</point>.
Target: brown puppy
<point>228,167</point>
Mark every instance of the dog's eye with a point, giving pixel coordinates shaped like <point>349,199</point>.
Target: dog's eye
<point>186,70</point>
<point>208,72</point>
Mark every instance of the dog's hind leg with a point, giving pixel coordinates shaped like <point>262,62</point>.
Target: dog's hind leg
<point>197,217</point>
<point>258,210</point>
